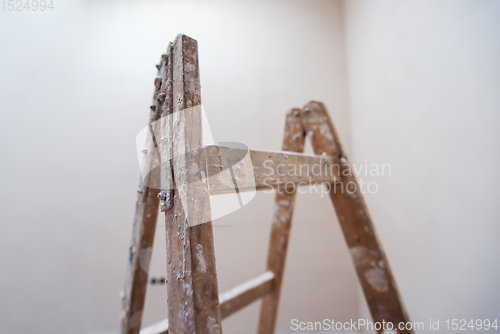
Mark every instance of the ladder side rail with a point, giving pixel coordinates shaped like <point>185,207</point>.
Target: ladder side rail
<point>192,288</point>
<point>280,229</point>
<point>370,262</point>
<point>143,232</point>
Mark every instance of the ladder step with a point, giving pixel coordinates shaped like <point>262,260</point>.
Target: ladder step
<point>158,328</point>
<point>230,301</point>
<point>245,293</point>
<point>254,170</point>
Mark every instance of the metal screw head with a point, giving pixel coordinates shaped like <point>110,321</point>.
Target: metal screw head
<point>307,111</point>
<point>296,113</point>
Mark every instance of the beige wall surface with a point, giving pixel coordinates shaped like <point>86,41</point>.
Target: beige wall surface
<point>424,88</point>
<point>76,85</point>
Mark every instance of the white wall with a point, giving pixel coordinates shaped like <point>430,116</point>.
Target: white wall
<point>424,87</point>
<point>419,91</point>
<point>76,84</point>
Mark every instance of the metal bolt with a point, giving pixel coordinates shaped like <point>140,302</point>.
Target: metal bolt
<point>306,110</point>
<point>162,196</point>
<point>161,97</point>
<point>158,82</point>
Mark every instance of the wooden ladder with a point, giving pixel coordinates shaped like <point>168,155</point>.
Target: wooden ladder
<point>194,304</point>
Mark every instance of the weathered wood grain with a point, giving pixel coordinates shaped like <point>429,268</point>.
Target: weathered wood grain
<point>192,290</point>
<point>166,135</point>
<point>371,264</point>
<point>271,169</point>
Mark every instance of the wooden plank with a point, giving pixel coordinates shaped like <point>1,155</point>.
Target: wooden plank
<point>144,228</point>
<point>192,291</point>
<point>230,301</point>
<point>371,264</point>
<point>246,293</point>
<point>139,258</point>
<point>179,282</point>
<point>280,230</point>
<point>166,136</point>
<point>160,327</point>
<point>271,169</point>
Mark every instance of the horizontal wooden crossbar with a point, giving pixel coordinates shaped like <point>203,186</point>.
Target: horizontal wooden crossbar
<point>230,301</point>
<point>228,167</point>
<point>245,293</point>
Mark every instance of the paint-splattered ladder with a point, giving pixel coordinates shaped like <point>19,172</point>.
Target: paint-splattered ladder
<point>194,305</point>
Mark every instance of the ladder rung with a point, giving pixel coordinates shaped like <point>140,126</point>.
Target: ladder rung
<point>267,169</point>
<point>245,293</point>
<point>230,301</point>
<point>158,328</point>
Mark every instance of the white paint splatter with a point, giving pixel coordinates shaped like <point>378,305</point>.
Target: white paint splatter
<point>359,254</point>
<point>201,260</point>
<point>194,168</point>
<point>135,319</point>
<point>376,278</point>
<point>144,258</point>
<point>284,202</point>
<point>212,327</point>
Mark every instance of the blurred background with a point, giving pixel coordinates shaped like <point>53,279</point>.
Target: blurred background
<point>413,84</point>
